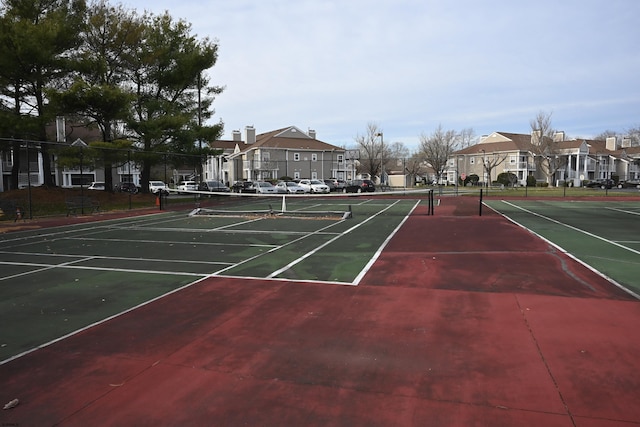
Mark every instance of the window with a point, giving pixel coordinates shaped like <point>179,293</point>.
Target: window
<point>340,158</point>
<point>296,157</point>
<point>296,175</point>
<point>314,157</point>
<point>513,160</point>
<point>314,175</point>
<point>472,160</point>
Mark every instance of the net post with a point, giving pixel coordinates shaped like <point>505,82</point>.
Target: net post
<point>480,208</point>
<point>432,203</point>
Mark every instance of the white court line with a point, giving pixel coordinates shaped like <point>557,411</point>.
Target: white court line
<point>45,267</point>
<point>624,211</point>
<point>81,267</point>
<point>173,242</point>
<point>99,227</point>
<point>119,258</point>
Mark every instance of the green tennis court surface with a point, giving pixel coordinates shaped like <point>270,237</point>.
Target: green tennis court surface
<point>59,280</point>
<point>603,235</point>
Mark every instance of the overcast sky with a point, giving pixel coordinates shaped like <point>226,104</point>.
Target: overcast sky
<point>408,66</point>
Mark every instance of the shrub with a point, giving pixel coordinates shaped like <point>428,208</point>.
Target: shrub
<point>507,179</point>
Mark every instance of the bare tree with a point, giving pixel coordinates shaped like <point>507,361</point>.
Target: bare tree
<point>545,146</point>
<point>437,148</point>
<point>606,134</point>
<point>372,150</point>
<point>490,162</point>
<point>633,134</point>
<point>414,166</point>
<point>466,137</point>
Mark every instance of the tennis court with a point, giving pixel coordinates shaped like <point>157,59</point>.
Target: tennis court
<point>602,234</point>
<point>74,276</point>
<point>390,317</point>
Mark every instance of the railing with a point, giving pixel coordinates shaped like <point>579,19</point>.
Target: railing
<point>33,179</point>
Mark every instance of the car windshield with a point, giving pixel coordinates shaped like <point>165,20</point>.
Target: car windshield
<point>264,184</point>
<point>315,181</point>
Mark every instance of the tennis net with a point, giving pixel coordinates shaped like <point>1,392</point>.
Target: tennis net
<point>334,206</point>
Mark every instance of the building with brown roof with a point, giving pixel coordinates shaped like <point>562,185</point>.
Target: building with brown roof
<point>573,161</point>
<point>286,152</point>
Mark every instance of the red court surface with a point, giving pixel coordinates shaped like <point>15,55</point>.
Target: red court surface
<point>462,321</point>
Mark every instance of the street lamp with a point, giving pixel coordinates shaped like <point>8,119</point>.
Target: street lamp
<point>381,157</point>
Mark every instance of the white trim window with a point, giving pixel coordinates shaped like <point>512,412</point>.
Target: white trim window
<point>296,157</point>
<point>314,157</point>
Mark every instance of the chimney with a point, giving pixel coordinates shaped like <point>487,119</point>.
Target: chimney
<point>558,136</point>
<point>250,132</point>
<point>237,136</point>
<point>312,133</point>
<point>61,129</point>
<point>611,143</point>
<point>626,142</point>
<point>535,137</point>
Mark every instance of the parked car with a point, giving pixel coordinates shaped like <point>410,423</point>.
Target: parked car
<point>331,183</point>
<point>156,187</point>
<point>264,187</point>
<point>633,183</point>
<point>359,186</point>
<point>96,186</point>
<point>340,184</point>
<point>127,187</point>
<point>187,186</point>
<point>601,183</point>
<point>313,186</point>
<point>290,187</point>
<point>243,187</point>
<point>213,186</point>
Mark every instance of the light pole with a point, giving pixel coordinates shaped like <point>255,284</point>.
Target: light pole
<point>381,157</point>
